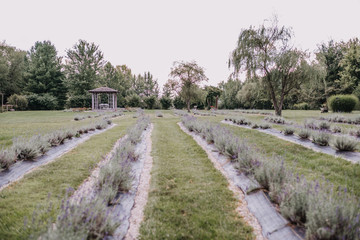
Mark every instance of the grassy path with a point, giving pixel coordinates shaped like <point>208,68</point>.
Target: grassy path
<point>188,197</point>
<point>20,199</point>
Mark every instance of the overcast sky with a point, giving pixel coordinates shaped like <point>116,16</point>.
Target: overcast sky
<point>150,35</point>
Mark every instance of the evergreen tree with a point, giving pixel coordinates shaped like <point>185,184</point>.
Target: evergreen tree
<point>43,73</point>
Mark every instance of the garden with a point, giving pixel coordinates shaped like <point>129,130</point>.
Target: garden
<point>170,174</point>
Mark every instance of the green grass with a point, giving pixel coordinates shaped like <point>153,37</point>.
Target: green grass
<point>20,199</point>
<point>188,198</point>
<point>304,161</point>
<point>28,123</point>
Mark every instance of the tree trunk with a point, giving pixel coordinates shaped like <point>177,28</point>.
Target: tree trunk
<point>216,102</point>
<point>188,106</point>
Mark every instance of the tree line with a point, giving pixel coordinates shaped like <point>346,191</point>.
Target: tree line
<point>280,76</point>
<point>48,81</point>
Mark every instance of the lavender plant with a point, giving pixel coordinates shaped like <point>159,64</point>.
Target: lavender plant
<point>25,149</point>
<point>7,158</point>
<point>304,133</point>
<point>320,138</point>
<point>289,131</point>
<point>344,143</point>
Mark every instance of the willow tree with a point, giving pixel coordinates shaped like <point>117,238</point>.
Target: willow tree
<point>266,52</point>
<point>186,79</point>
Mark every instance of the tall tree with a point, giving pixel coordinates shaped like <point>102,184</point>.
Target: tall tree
<point>151,86</point>
<point>12,65</point>
<point>187,76</point>
<point>212,96</point>
<point>44,72</point>
<point>350,72</point>
<point>266,52</point>
<point>229,90</point>
<point>83,64</point>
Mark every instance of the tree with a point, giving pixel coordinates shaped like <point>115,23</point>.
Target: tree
<point>350,73</point>
<point>44,74</point>
<point>212,96</point>
<point>83,64</point>
<point>165,102</point>
<point>266,52</point>
<point>12,64</point>
<point>187,76</point>
<point>229,89</point>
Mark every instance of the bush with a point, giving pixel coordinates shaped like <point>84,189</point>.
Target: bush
<point>265,126</point>
<point>343,103</point>
<point>289,131</point>
<point>7,158</point>
<point>355,132</point>
<point>159,114</point>
<point>304,133</point>
<point>25,149</point>
<point>166,102</point>
<point>301,106</point>
<point>20,102</point>
<point>79,101</point>
<point>42,102</point>
<point>344,143</point>
<point>179,103</point>
<point>133,100</point>
<point>150,101</point>
<point>320,138</point>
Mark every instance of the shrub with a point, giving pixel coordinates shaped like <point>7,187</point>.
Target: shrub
<point>304,133</point>
<point>56,138</point>
<point>320,138</point>
<point>42,102</point>
<point>271,175</point>
<point>254,126</point>
<point>344,143</point>
<point>25,149</point>
<point>248,160</point>
<point>159,114</point>
<point>7,158</point>
<point>79,101</point>
<point>265,126</point>
<point>301,106</point>
<point>133,100</point>
<point>332,216</point>
<point>294,200</point>
<point>324,125</point>
<point>150,101</point>
<point>355,132</point>
<point>342,103</point>
<point>336,129</point>
<point>179,103</point>
<point>166,102</point>
<point>288,131</point>
<point>20,102</point>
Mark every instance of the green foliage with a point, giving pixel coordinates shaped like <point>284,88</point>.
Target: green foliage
<point>342,103</point>
<point>229,90</point>
<point>304,133</point>
<point>345,143</point>
<point>150,101</point>
<point>133,100</point>
<point>179,103</point>
<point>19,101</point>
<point>186,77</point>
<point>301,106</point>
<point>266,49</point>
<point>12,64</point>
<point>166,102</point>
<point>7,158</point>
<point>79,101</point>
<point>320,138</point>
<point>350,64</point>
<point>289,131</point>
<point>42,102</point>
<point>44,72</point>
<point>83,65</point>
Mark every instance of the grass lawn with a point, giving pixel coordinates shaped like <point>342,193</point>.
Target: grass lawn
<point>188,198</point>
<point>20,199</point>
<point>29,123</point>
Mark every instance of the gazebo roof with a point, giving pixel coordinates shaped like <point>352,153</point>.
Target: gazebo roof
<point>103,90</point>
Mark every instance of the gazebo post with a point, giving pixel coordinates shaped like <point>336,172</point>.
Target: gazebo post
<point>92,101</point>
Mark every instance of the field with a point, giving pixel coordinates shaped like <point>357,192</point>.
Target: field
<point>188,197</point>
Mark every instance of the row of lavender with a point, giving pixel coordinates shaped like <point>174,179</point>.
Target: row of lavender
<point>91,217</point>
<point>325,212</point>
<point>110,115</point>
<point>28,149</point>
<point>318,132</point>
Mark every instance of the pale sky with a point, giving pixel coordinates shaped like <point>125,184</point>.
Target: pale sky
<point>150,35</point>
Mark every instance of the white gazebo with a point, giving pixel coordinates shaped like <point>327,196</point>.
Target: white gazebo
<point>112,98</point>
